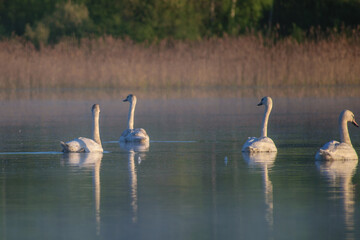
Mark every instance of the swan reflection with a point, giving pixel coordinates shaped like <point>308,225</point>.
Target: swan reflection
<point>265,161</point>
<point>339,174</point>
<point>138,148</point>
<point>89,160</point>
<point>134,149</point>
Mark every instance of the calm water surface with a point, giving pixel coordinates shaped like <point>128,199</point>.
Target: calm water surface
<point>191,182</point>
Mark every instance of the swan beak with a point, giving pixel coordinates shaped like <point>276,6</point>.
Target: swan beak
<point>260,104</point>
<point>355,124</point>
<point>125,100</point>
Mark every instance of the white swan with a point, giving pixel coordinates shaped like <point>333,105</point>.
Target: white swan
<point>131,134</point>
<point>82,144</point>
<point>263,143</point>
<point>343,150</point>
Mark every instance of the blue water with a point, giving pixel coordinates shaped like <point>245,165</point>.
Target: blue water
<point>191,182</point>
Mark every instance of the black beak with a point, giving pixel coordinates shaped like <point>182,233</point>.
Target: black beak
<point>125,100</point>
<point>260,104</point>
<point>355,124</point>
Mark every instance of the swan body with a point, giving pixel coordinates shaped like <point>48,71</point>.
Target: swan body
<point>263,143</point>
<point>134,135</point>
<point>130,134</point>
<point>342,150</point>
<point>87,145</point>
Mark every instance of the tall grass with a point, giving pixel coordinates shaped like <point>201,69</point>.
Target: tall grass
<point>228,62</point>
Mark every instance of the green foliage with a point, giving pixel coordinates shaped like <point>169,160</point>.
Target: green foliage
<point>15,14</point>
<point>67,20</point>
<point>250,13</point>
<point>39,36</point>
<point>297,33</point>
<point>326,14</point>
<point>152,20</point>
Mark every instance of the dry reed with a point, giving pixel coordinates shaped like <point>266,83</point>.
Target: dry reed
<point>228,62</point>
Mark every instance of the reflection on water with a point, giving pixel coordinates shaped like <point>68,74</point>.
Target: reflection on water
<point>134,149</point>
<point>264,161</point>
<point>139,148</point>
<point>198,189</point>
<point>89,160</point>
<point>339,174</point>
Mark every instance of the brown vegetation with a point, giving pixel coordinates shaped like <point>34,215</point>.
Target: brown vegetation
<point>246,61</point>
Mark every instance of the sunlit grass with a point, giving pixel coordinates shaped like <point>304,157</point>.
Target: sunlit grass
<point>246,61</point>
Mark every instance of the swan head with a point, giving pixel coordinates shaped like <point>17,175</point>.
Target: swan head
<point>95,108</point>
<point>267,101</point>
<point>348,116</point>
<point>130,98</point>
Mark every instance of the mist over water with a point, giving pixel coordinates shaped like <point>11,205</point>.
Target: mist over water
<point>191,182</point>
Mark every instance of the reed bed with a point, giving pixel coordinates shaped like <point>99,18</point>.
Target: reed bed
<point>247,61</point>
<point>180,93</point>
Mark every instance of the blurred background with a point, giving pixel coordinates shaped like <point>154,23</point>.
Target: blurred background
<point>178,43</point>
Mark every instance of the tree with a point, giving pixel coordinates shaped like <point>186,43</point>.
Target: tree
<point>67,20</point>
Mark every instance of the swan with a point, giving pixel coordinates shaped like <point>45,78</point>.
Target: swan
<point>263,143</point>
<point>130,134</point>
<point>82,144</point>
<point>342,150</point>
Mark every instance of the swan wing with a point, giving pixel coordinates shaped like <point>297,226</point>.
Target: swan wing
<point>90,145</point>
<point>81,144</point>
<point>335,150</point>
<point>140,133</point>
<point>134,135</point>
<point>73,146</point>
<point>263,144</point>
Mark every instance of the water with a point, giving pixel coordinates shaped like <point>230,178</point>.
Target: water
<point>192,182</point>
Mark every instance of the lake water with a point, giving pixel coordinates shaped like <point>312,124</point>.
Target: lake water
<point>191,182</point>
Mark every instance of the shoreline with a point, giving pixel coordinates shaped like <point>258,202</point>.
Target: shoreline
<point>206,92</point>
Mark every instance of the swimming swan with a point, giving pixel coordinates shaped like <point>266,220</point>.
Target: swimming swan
<point>82,144</point>
<point>343,150</point>
<point>263,143</point>
<point>130,134</point>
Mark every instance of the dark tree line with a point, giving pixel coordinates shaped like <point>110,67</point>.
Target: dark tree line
<point>48,21</point>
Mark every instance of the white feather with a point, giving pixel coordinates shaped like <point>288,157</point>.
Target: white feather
<point>82,144</point>
<point>343,150</point>
<point>130,134</point>
<point>263,143</point>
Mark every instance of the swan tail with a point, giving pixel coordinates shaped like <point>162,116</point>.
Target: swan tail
<point>82,150</point>
<point>324,155</point>
<point>65,147</point>
<point>137,135</point>
<point>249,149</point>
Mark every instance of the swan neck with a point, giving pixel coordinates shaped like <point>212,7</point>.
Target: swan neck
<point>131,115</point>
<point>344,132</point>
<point>265,120</point>
<point>96,130</point>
